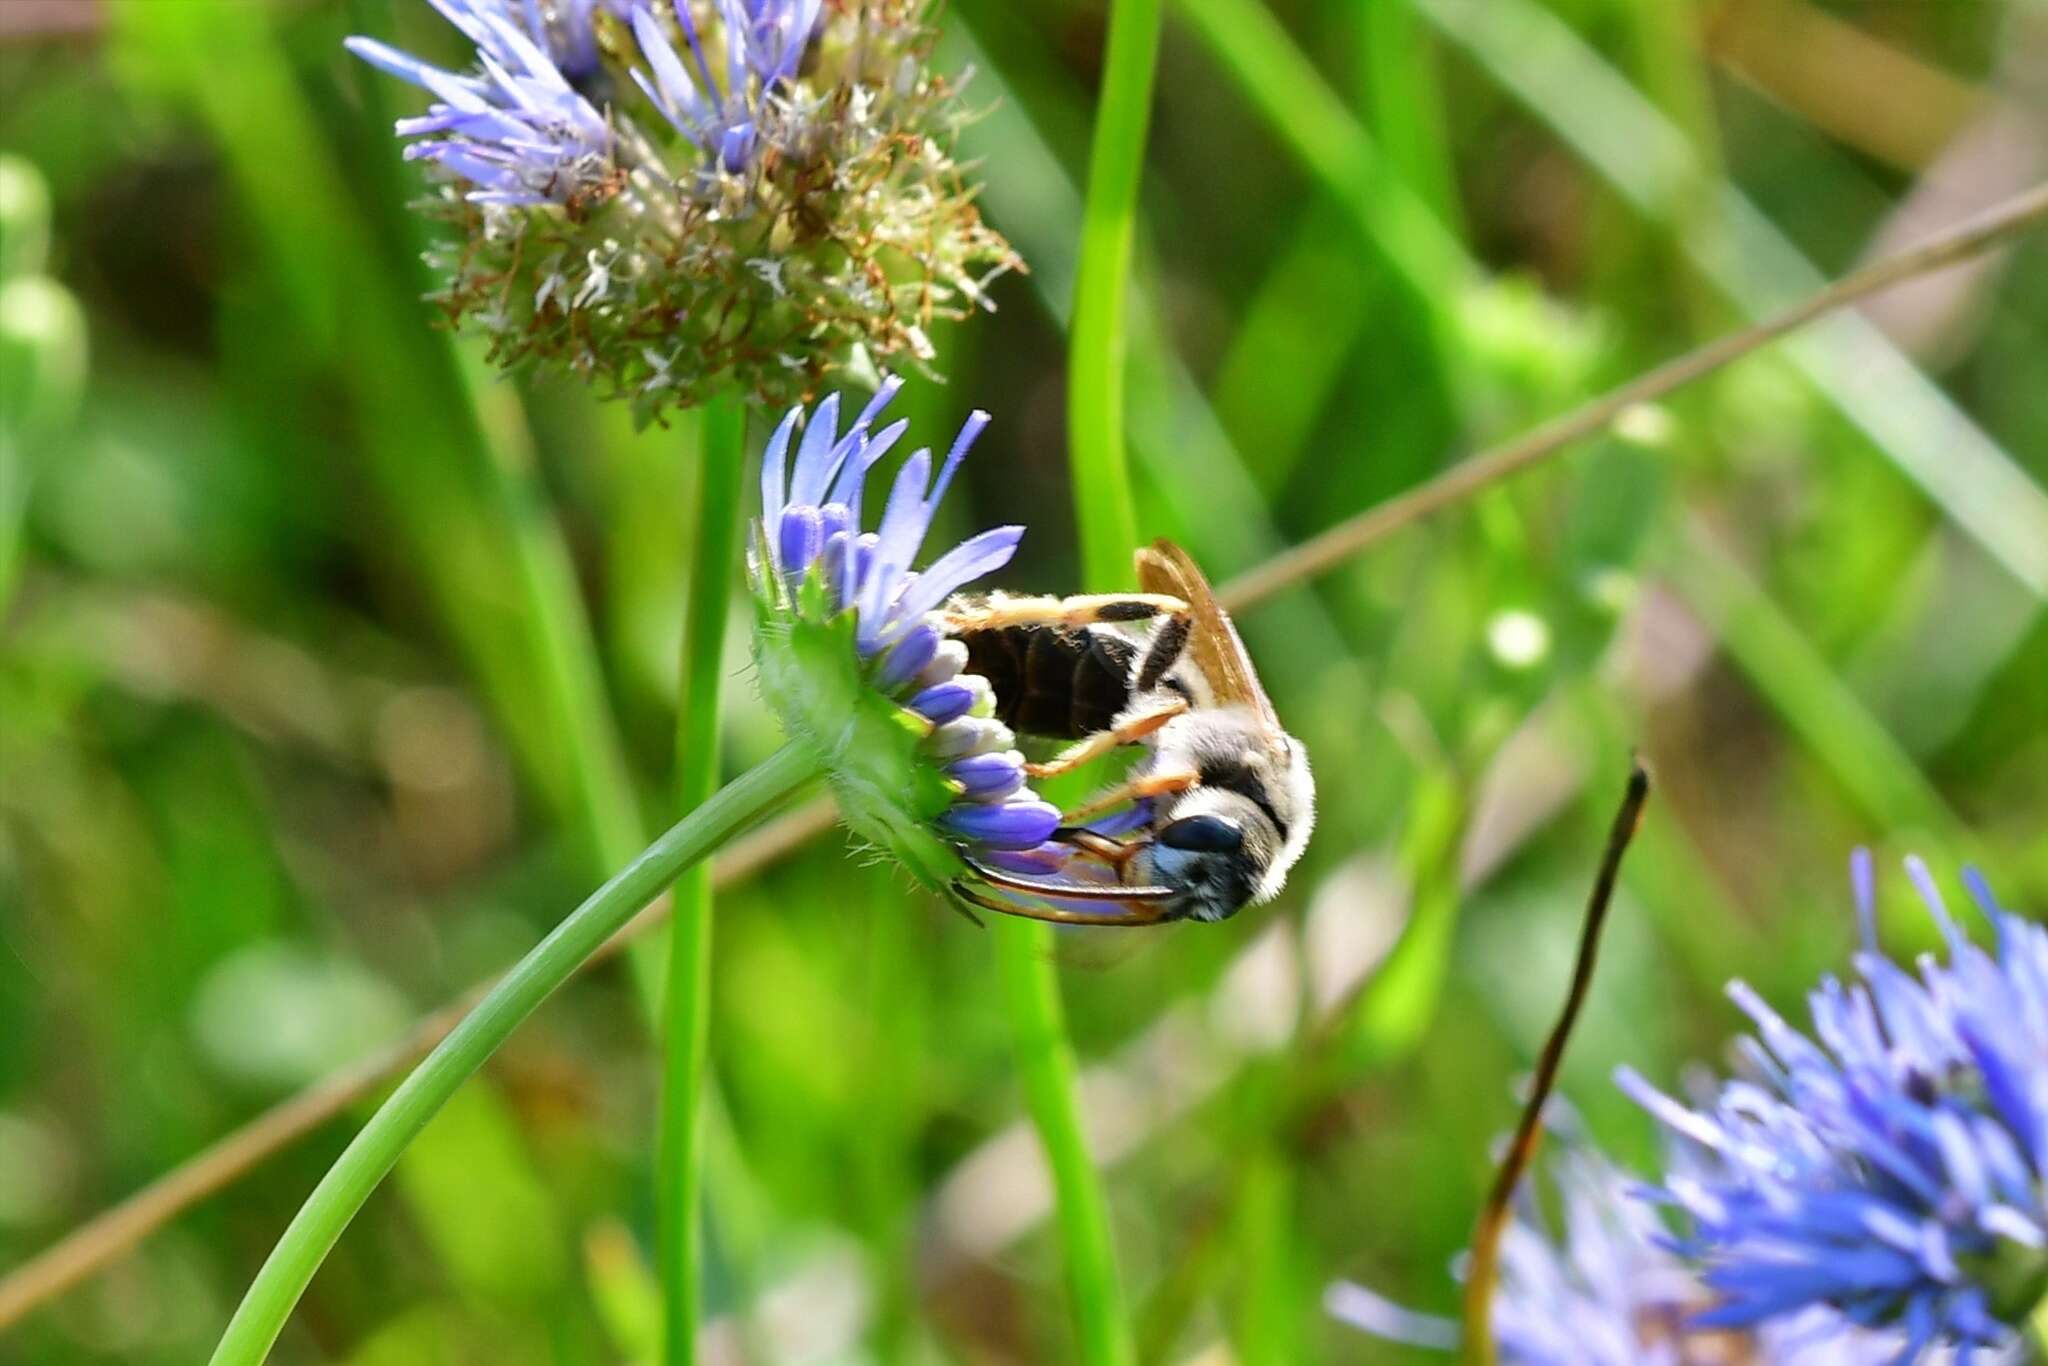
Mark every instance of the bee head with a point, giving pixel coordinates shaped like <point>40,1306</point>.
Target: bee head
<point>1231,839</point>
<point>1203,857</point>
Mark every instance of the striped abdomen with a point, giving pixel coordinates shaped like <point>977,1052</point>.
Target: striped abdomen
<point>1053,681</point>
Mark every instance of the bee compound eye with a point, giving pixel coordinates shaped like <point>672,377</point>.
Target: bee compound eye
<point>1203,835</point>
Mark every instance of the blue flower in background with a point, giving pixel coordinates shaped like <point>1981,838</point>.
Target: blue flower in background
<point>1607,1288</point>
<point>814,565</point>
<point>516,127</point>
<point>1891,1166</point>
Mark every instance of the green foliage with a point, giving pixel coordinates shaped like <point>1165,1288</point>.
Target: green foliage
<point>890,792</point>
<point>335,667</point>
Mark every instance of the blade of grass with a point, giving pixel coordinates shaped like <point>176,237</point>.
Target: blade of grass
<point>1202,482</point>
<point>1267,1326</point>
<point>348,1183</point>
<point>1104,507</point>
<point>1879,776</point>
<point>1320,132</point>
<point>558,629</point>
<point>679,1181</point>
<point>1303,321</point>
<point>42,351</point>
<point>1045,1062</point>
<point>1404,104</point>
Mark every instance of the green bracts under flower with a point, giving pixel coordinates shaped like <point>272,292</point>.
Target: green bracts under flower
<point>890,792</point>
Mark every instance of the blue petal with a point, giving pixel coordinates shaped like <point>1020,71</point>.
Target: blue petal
<point>942,702</point>
<point>988,777</point>
<point>774,462</point>
<point>1013,825</point>
<point>907,659</point>
<point>963,564</point>
<point>814,455</point>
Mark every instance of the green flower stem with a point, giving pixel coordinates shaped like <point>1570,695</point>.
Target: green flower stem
<point>1031,999</point>
<point>348,1183</point>
<point>1107,515</point>
<point>1096,353</point>
<point>680,1178</point>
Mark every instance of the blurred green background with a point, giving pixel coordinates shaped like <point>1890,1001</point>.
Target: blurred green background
<point>282,764</point>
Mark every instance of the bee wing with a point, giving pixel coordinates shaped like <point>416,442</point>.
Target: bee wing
<point>1164,567</point>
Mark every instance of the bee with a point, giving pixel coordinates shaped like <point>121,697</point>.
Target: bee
<point>1220,806</point>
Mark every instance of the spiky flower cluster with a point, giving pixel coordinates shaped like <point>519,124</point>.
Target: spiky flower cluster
<point>675,198</point>
<point>854,660</point>
<point>1893,1166</point>
<point>1603,1285</point>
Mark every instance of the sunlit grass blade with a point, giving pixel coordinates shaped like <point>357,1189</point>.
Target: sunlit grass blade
<point>715,555</point>
<point>1203,486</point>
<point>1106,513</point>
<point>1320,132</point>
<point>1403,100</point>
<point>1096,355</point>
<point>558,629</point>
<point>349,1182</point>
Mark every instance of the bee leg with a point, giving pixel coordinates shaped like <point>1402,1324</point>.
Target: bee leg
<point>1115,853</point>
<point>1087,609</point>
<point>1137,789</point>
<point>1127,730</point>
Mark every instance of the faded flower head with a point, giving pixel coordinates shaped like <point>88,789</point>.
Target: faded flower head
<point>1603,1286</point>
<point>1891,1166</point>
<point>674,198</point>
<point>855,660</point>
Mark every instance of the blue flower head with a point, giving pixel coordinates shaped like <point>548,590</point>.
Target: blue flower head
<point>764,41</point>
<point>854,659</point>
<point>676,197</point>
<point>1602,1285</point>
<point>1890,1165</point>
<point>516,130</point>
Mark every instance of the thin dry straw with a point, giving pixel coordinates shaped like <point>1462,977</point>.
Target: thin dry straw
<point>109,1235</point>
<point>1330,548</point>
<point>1484,1273</point>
